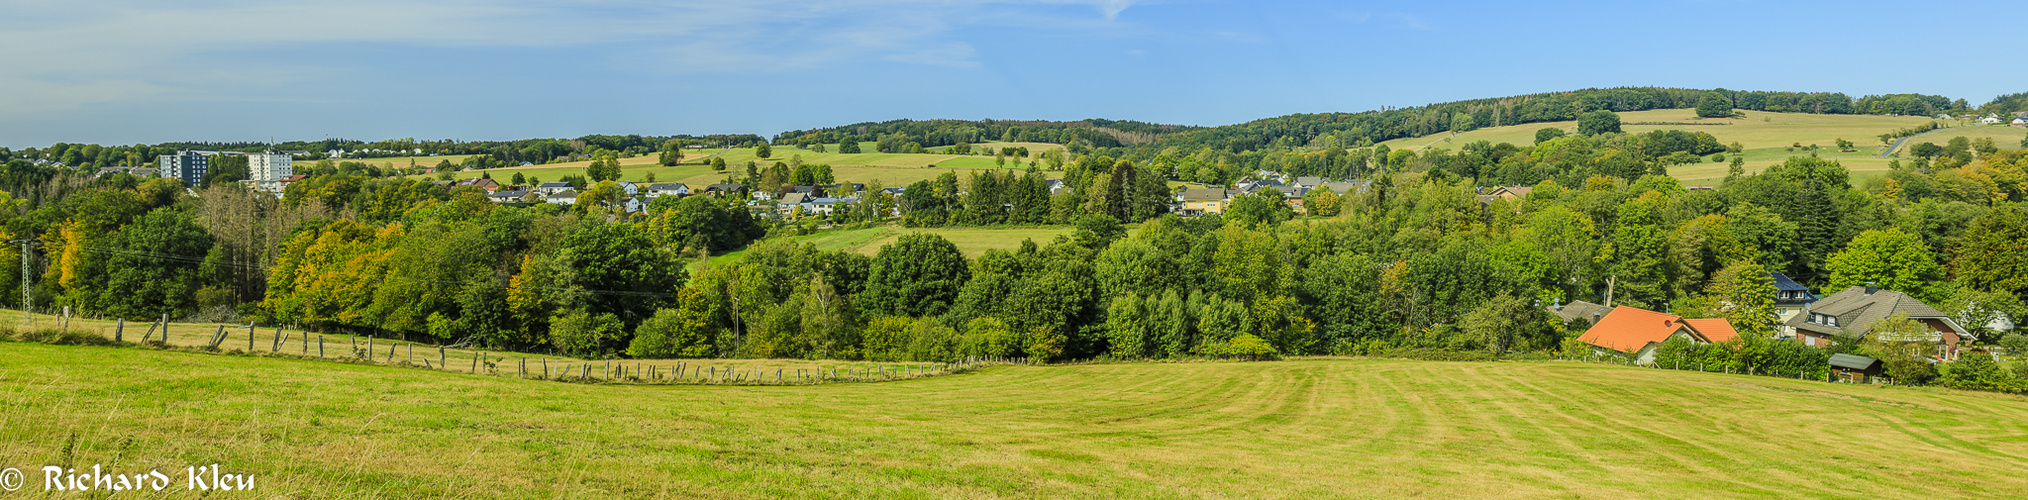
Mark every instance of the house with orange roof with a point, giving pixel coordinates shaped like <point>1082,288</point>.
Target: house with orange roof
<point>1638,332</point>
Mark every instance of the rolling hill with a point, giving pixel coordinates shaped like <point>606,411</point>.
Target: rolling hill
<point>1296,429</point>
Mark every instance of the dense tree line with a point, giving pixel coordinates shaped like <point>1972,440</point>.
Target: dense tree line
<point>898,135</point>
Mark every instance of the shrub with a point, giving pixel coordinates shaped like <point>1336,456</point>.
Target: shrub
<point>54,336</point>
<point>1427,354</point>
<point>1246,347</point>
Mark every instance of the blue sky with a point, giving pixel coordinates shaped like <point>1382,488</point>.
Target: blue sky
<point>121,72</point>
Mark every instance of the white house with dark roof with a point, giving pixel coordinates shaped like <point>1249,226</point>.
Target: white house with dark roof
<point>565,198</point>
<point>550,188</point>
<point>661,189</point>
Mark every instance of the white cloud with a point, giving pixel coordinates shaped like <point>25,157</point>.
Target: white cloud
<point>67,54</point>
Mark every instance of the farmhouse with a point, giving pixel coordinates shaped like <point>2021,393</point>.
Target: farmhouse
<point>1853,312</point>
<point>1639,331</point>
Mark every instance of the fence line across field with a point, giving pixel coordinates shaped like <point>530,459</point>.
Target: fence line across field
<point>676,371</point>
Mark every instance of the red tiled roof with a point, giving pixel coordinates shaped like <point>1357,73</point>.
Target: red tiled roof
<point>1628,329</point>
<point>1713,329</point>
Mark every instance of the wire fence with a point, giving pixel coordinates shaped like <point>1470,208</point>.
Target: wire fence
<point>250,340</point>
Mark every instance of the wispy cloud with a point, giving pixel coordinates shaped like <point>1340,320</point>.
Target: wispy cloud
<point>1412,22</point>
<point>74,53</point>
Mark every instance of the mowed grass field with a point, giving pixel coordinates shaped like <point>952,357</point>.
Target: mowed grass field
<point>1765,137</point>
<point>890,169</point>
<point>1322,428</point>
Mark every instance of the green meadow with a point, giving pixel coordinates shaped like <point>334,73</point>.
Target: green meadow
<point>1306,428</point>
<point>889,169</point>
<point>1767,138</point>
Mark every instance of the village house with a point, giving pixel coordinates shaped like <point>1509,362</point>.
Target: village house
<point>792,201</point>
<point>629,187</point>
<point>1791,299</point>
<point>134,171</point>
<point>1637,332</point>
<point>1346,187</point>
<point>1578,309</point>
<point>551,188</point>
<point>565,198</point>
<point>1201,201</point>
<point>487,184</point>
<point>507,196</point>
<point>721,190</point>
<point>1853,312</point>
<point>661,189</point>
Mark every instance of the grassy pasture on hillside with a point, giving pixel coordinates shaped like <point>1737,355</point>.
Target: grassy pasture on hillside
<point>1293,429</point>
<point>891,169</point>
<point>1764,135</point>
<point>2003,136</point>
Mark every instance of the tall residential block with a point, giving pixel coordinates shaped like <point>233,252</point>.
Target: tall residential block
<point>186,165</point>
<point>266,170</point>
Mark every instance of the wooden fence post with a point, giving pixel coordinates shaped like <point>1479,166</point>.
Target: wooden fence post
<point>475,362</point>
<point>250,339</point>
<point>320,345</point>
<point>118,329</point>
<point>390,353</point>
<point>216,338</point>
<point>524,368</point>
<point>545,368</point>
<point>441,359</point>
<point>369,348</point>
<point>278,340</point>
<point>411,354</point>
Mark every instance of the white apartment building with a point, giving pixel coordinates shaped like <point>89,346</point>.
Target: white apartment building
<point>266,170</point>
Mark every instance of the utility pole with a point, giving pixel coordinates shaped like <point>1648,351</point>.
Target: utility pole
<point>27,293</point>
<point>1609,290</point>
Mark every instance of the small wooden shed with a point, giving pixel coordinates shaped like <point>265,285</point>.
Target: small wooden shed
<point>1853,368</point>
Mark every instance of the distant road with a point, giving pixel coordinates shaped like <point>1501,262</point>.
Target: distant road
<point>1897,144</point>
